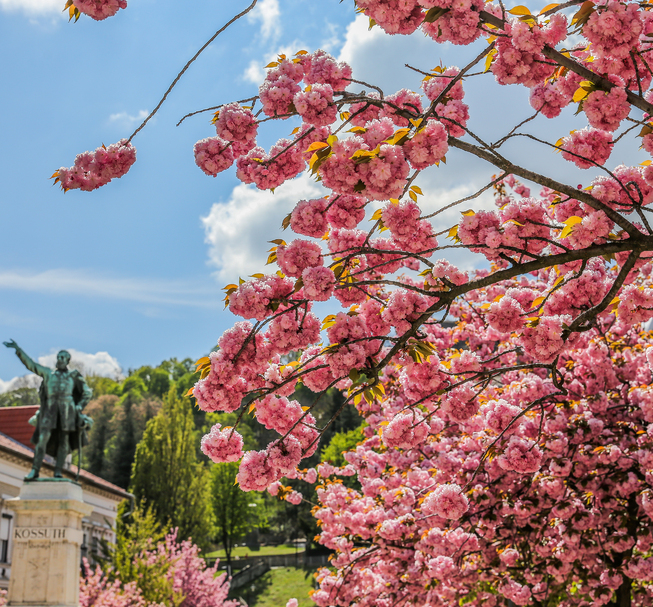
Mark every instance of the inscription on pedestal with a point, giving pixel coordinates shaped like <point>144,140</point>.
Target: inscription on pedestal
<point>52,534</point>
<point>40,533</point>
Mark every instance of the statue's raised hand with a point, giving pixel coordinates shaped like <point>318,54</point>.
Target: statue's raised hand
<point>11,344</point>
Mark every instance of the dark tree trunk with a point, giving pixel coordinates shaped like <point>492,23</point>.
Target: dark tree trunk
<point>623,595</point>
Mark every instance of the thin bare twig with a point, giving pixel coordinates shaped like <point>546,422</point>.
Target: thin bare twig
<point>195,56</point>
<point>470,197</point>
<point>215,107</point>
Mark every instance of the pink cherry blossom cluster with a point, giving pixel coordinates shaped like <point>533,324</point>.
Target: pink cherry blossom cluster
<point>587,147</point>
<point>236,123</point>
<point>320,67</point>
<point>222,445</point>
<point>315,105</point>
<point>95,169</point>
<point>269,171</point>
<point>409,232</point>
<point>299,255</point>
<point>259,469</point>
<point>614,28</point>
<point>213,155</point>
<point>428,146</point>
<point>458,25</point>
<point>100,9</point>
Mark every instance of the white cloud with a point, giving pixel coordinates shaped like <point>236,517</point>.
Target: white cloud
<point>238,231</point>
<point>332,40</point>
<point>358,37</point>
<point>267,12</point>
<point>126,120</point>
<point>33,7</point>
<point>254,72</point>
<point>24,381</point>
<point>100,363</point>
<point>79,282</point>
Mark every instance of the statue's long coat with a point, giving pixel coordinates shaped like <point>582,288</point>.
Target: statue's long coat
<point>63,417</point>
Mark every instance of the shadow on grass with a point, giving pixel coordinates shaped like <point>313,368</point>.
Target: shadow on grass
<point>276,586</point>
<point>254,590</point>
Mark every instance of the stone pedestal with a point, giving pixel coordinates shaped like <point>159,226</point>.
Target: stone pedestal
<point>47,537</point>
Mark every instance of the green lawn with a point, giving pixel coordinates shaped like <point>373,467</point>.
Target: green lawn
<point>274,588</point>
<point>265,550</point>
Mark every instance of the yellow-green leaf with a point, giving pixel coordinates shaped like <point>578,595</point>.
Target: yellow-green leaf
<point>520,10</point>
<point>583,14</point>
<point>489,58</point>
<point>548,7</point>
<point>537,302</point>
<point>580,94</point>
<point>205,360</point>
<point>318,145</point>
<point>646,130</point>
<point>398,136</point>
<point>569,225</point>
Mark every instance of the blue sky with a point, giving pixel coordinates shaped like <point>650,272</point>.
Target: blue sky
<point>124,269</point>
<point>135,268</point>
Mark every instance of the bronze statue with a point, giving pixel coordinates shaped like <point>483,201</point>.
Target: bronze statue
<point>60,424</point>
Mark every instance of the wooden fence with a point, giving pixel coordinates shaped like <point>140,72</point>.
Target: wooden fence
<point>248,574</point>
<point>298,559</point>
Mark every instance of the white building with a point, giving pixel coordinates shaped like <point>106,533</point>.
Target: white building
<point>16,461</point>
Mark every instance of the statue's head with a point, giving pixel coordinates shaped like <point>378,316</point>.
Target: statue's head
<point>63,358</point>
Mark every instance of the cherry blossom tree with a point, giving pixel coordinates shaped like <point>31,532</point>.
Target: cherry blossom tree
<point>508,458</point>
<point>511,486</point>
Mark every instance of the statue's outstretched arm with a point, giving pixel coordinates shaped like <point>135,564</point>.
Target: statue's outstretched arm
<point>26,360</point>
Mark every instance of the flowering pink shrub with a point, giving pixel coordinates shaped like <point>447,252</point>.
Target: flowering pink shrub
<point>95,590</point>
<point>190,580</point>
